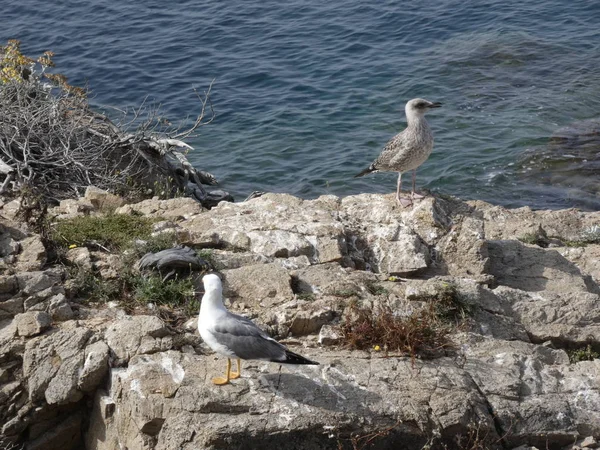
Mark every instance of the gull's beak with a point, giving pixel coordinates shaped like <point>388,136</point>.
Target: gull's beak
<point>435,105</point>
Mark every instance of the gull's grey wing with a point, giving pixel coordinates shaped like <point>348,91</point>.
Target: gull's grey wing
<point>246,340</point>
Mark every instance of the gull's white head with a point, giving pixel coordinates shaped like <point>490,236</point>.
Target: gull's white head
<point>419,106</point>
<point>212,283</point>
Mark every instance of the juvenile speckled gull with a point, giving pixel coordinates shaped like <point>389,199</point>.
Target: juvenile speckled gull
<point>235,336</point>
<point>408,149</point>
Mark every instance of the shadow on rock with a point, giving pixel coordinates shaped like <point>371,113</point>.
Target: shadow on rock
<point>335,394</point>
<point>534,269</point>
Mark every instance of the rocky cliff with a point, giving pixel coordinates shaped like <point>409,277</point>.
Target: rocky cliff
<point>522,371</point>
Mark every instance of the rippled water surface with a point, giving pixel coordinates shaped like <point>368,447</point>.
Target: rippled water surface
<point>307,92</point>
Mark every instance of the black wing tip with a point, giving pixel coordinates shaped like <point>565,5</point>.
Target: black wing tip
<point>367,171</point>
<point>295,358</point>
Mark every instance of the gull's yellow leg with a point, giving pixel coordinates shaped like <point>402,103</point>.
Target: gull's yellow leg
<point>237,374</point>
<point>224,380</point>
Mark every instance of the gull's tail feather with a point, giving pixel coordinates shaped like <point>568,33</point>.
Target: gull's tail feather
<point>368,170</point>
<point>295,358</point>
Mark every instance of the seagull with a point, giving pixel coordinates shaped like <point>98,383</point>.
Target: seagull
<point>235,336</point>
<point>408,149</point>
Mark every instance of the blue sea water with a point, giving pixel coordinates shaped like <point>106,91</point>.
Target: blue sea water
<point>306,93</point>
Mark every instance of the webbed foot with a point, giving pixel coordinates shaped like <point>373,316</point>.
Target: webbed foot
<point>220,381</point>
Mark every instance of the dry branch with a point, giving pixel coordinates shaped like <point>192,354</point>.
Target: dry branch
<point>53,143</point>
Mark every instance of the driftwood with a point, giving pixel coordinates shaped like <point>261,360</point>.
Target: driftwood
<point>54,143</point>
<point>178,260</point>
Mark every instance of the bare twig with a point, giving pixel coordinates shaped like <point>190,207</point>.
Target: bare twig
<point>52,142</point>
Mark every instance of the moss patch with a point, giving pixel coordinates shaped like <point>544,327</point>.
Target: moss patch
<point>113,231</point>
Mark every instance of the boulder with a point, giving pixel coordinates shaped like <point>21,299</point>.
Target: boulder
<point>33,282</point>
<point>80,257</point>
<point>65,434</point>
<point>571,317</point>
<point>52,365</point>
<point>101,199</point>
<point>108,266</point>
<point>530,268</point>
<point>259,284</point>
<point>463,251</point>
<point>173,209</point>
<point>95,366</point>
<point>586,258</point>
<point>274,226</point>
<point>40,298</point>
<point>330,335</point>
<point>32,323</point>
<point>33,254</point>
<point>59,308</point>
<point>149,383</point>
<point>8,245</point>
<point>70,208</point>
<point>11,307</point>
<point>135,334</point>
<point>395,249</point>
<point>295,266</point>
<point>380,236</point>
<point>8,285</point>
<point>534,391</point>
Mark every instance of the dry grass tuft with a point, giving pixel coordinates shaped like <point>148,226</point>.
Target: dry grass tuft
<point>423,334</point>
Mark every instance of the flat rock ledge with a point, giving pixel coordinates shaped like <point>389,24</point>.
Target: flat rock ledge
<point>73,377</point>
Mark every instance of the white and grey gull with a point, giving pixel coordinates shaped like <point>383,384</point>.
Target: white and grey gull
<point>235,336</point>
<point>408,149</point>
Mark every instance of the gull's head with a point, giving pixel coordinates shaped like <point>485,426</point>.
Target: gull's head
<point>211,282</point>
<point>420,106</point>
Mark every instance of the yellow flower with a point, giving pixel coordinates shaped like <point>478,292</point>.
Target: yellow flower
<point>377,348</point>
<point>73,246</point>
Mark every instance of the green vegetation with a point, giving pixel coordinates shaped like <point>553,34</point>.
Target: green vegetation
<point>154,244</point>
<point>583,354</point>
<point>178,292</point>
<point>534,239</point>
<point>137,290</point>
<point>118,232</point>
<point>90,286</point>
<point>588,236</point>
<point>113,231</point>
<point>207,255</point>
<point>345,293</point>
<point>450,305</point>
<point>376,289</point>
<point>308,296</point>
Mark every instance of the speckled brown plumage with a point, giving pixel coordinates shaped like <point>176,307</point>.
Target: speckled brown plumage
<point>408,149</point>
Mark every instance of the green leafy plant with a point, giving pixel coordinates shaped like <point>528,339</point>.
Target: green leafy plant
<point>585,353</point>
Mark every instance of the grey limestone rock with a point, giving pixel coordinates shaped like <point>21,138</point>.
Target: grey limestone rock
<point>32,323</point>
<point>128,336</point>
<point>33,254</point>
